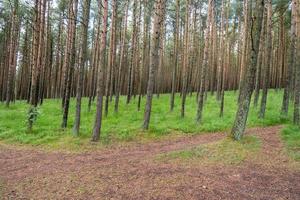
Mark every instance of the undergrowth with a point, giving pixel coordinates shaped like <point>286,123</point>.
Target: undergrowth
<point>126,125</point>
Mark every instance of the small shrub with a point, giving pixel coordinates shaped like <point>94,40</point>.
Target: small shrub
<point>32,116</point>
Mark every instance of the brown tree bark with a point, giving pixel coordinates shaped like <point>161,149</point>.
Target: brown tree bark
<point>247,87</point>
<point>185,58</point>
<point>82,62</point>
<point>205,63</point>
<point>122,58</point>
<point>69,59</point>
<point>111,59</point>
<point>291,65</point>
<point>154,59</point>
<point>296,4</point>
<point>13,47</point>
<point>100,89</point>
<point>176,48</point>
<point>268,50</point>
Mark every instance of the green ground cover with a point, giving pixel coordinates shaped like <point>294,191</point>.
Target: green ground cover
<point>126,125</point>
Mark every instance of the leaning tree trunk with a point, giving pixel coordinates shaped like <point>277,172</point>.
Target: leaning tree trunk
<point>244,61</point>
<point>154,59</point>
<point>247,87</point>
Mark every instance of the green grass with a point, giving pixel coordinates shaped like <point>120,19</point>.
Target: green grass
<point>126,125</point>
<point>225,151</point>
<point>291,136</point>
<point>1,189</point>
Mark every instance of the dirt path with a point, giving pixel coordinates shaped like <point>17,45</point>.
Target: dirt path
<point>132,173</point>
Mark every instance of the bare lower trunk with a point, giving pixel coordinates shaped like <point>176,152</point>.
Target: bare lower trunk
<point>297,80</point>
<point>154,59</point>
<point>100,89</point>
<point>288,83</point>
<point>82,60</point>
<point>268,63</point>
<point>247,87</point>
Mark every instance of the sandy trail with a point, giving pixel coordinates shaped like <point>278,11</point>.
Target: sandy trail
<point>132,173</point>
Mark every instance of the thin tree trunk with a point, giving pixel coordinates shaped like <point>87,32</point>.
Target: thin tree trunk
<point>289,78</point>
<point>154,59</point>
<point>70,60</point>
<point>98,118</point>
<point>176,48</point>
<point>297,84</point>
<point>268,51</point>
<point>12,52</point>
<point>82,61</point>
<point>122,58</point>
<point>204,63</point>
<point>185,58</point>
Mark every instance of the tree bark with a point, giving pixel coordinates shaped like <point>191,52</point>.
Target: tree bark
<point>122,58</point>
<point>82,61</point>
<point>247,87</point>
<point>154,59</point>
<point>291,65</point>
<point>297,84</point>
<point>98,118</point>
<point>185,58</point>
<point>268,50</point>
<point>69,60</point>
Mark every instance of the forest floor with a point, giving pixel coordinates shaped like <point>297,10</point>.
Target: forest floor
<point>142,171</point>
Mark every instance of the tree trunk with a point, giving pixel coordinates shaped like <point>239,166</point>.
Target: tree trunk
<point>185,58</point>
<point>297,84</point>
<point>268,50</point>
<point>288,82</point>
<point>98,118</point>
<point>247,87</point>
<point>70,59</point>
<point>204,63</point>
<point>154,59</point>
<point>122,58</point>
<point>82,61</point>
<point>13,45</point>
<point>176,47</point>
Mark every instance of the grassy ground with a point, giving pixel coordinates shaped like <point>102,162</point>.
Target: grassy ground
<point>1,189</point>
<point>291,136</point>
<point>126,125</point>
<point>225,151</point>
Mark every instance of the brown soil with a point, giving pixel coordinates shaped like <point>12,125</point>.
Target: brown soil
<point>132,173</point>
